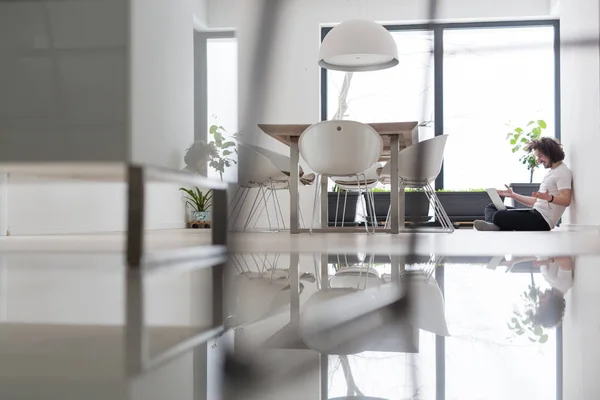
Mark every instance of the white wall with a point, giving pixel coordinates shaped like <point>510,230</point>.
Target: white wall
<point>292,90</point>
<point>581,350</point>
<point>201,11</point>
<point>162,118</point>
<point>580,85</point>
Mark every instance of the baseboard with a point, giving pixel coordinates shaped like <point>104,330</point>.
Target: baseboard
<point>578,228</point>
<point>76,230</point>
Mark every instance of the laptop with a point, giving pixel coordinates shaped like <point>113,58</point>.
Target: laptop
<point>495,197</point>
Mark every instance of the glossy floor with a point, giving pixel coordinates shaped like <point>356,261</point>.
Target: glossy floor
<point>348,315</point>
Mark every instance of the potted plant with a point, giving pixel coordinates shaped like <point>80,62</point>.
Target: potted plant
<point>216,153</point>
<point>416,204</point>
<point>347,215</point>
<point>519,138</point>
<point>464,205</point>
<point>199,204</point>
<point>522,322</point>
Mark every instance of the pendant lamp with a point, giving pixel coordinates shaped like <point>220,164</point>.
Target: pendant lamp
<point>358,45</point>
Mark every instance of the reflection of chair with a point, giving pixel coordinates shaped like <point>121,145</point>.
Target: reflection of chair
<point>430,154</point>
<point>427,309</point>
<point>341,149</point>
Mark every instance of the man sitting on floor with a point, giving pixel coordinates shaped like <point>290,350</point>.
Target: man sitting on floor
<point>548,204</point>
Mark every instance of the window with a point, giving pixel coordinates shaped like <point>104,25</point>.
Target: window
<point>493,77</point>
<point>494,80</point>
<point>403,93</point>
<point>222,95</point>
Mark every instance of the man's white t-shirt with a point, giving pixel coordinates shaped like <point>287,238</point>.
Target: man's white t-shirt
<point>559,278</point>
<point>558,178</point>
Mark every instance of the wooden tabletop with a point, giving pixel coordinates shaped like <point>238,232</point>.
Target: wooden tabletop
<point>407,132</point>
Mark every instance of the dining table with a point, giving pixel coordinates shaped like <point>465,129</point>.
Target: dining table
<point>395,136</point>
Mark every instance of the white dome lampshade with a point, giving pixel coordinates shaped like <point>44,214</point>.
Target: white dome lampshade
<point>358,45</point>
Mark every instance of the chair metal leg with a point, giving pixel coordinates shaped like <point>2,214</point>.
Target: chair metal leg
<point>439,209</point>
<point>344,210</point>
<point>263,207</point>
<point>274,203</point>
<point>317,190</point>
<point>363,204</point>
<point>252,209</point>
<point>279,206</point>
<point>337,207</point>
<point>239,206</point>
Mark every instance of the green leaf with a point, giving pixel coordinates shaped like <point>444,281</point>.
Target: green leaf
<point>532,340</point>
<point>514,150</point>
<point>228,144</point>
<point>520,332</point>
<point>538,330</point>
<point>227,152</point>
<point>524,140</point>
<point>543,338</point>
<point>513,319</point>
<point>221,128</point>
<point>531,123</point>
<point>542,123</point>
<point>519,130</point>
<point>537,131</point>
<point>513,141</point>
<point>213,129</point>
<point>218,138</point>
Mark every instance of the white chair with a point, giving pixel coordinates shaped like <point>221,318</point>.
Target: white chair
<point>340,148</point>
<point>282,163</point>
<point>256,171</point>
<point>430,155</point>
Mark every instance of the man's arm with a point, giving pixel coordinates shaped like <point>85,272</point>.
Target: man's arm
<point>527,200</point>
<point>563,198</point>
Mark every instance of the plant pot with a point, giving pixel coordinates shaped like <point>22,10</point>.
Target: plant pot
<point>525,189</point>
<point>349,215</point>
<point>201,216</point>
<point>416,206</point>
<point>464,206</point>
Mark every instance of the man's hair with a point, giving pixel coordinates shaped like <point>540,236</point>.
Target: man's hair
<point>548,147</point>
<point>550,313</point>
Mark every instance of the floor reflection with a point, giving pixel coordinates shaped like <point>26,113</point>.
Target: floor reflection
<point>393,327</point>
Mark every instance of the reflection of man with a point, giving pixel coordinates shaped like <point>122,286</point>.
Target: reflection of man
<point>558,272</point>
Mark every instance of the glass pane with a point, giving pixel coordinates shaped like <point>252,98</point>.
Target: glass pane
<point>485,359</point>
<point>402,93</point>
<point>494,80</point>
<point>222,93</point>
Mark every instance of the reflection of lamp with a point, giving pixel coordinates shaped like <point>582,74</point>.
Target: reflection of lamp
<point>358,45</point>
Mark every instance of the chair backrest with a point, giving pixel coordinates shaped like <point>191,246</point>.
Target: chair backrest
<point>431,155</point>
<point>255,167</point>
<point>281,161</point>
<point>340,147</point>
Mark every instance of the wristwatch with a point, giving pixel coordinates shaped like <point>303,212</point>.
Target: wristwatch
<point>552,199</point>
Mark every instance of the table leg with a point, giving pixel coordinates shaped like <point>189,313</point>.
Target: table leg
<point>294,183</point>
<point>395,190</point>
<point>324,202</point>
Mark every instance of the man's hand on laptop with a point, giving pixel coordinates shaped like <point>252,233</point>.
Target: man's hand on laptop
<point>506,193</point>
